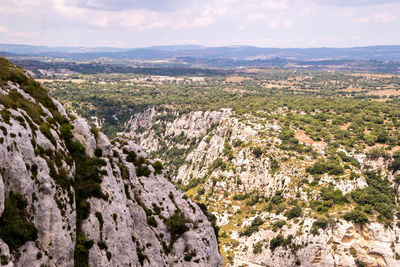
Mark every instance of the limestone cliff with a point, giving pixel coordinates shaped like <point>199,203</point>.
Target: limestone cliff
<point>271,211</point>
<point>69,196</point>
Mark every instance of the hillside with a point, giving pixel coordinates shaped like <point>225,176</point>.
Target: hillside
<point>282,198</point>
<point>70,196</point>
<point>300,168</point>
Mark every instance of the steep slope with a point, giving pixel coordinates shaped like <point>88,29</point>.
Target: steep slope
<point>69,196</point>
<point>281,198</point>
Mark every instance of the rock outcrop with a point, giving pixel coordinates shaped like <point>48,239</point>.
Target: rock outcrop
<point>69,196</point>
<point>216,161</point>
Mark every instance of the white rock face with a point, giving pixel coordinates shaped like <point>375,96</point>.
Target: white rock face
<point>17,159</point>
<point>338,245</point>
<point>126,234</point>
<point>125,225</point>
<point>372,244</point>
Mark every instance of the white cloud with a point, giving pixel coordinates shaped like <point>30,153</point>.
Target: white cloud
<point>385,17</point>
<point>272,21</point>
<point>363,20</point>
<point>90,22</point>
<point>355,2</point>
<point>275,4</point>
<point>256,16</point>
<point>306,11</point>
<point>84,13</point>
<point>17,34</point>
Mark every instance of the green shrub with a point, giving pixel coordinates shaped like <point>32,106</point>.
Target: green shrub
<point>257,152</point>
<point>257,247</point>
<point>99,217</point>
<point>95,131</point>
<point>192,184</point>
<point>253,227</point>
<point>217,164</point>
<point>294,212</point>
<point>176,225</point>
<point>81,252</point>
<point>152,221</point>
<point>141,256</point>
<point>360,263</point>
<point>5,114</point>
<point>276,242</point>
<point>253,200</point>
<point>66,133</point>
<point>280,240</point>
<point>158,167</point>
<point>240,196</point>
<point>278,197</point>
<point>98,152</point>
<point>357,216</point>
<point>249,230</point>
<point>320,223</point>
<point>237,142</point>
<point>274,164</point>
<point>131,157</point>
<point>201,191</point>
<point>286,134</point>
<point>377,152</point>
<point>16,227</point>
<point>189,256</point>
<point>321,167</point>
<point>379,194</point>
<point>336,196</point>
<point>278,225</point>
<point>108,255</point>
<point>3,259</point>
<point>142,170</point>
<point>45,129</point>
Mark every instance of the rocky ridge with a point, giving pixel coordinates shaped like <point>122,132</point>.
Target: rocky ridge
<point>69,196</point>
<point>215,159</point>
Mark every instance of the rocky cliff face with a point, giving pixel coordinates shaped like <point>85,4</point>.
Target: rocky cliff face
<point>271,211</point>
<point>69,196</point>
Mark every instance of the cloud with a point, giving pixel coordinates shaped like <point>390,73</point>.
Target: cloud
<point>17,34</point>
<point>381,17</point>
<point>275,4</point>
<point>272,21</point>
<point>385,17</point>
<point>102,14</point>
<point>355,2</point>
<point>137,22</point>
<point>256,16</point>
<point>116,5</point>
<point>363,20</point>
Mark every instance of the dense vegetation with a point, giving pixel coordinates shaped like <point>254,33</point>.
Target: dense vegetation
<point>317,105</point>
<point>16,227</point>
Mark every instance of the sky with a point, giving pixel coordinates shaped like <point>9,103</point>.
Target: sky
<point>141,23</point>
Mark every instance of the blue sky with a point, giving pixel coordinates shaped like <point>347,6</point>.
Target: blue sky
<point>139,23</point>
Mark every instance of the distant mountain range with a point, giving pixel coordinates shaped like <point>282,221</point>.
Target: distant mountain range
<point>381,53</point>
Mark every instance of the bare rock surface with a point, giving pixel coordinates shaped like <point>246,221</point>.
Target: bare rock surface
<point>131,223</point>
